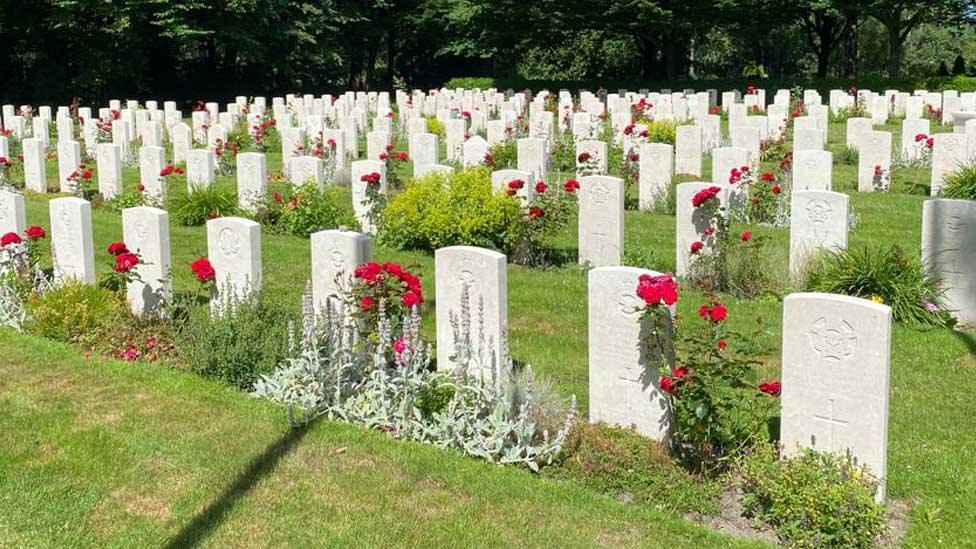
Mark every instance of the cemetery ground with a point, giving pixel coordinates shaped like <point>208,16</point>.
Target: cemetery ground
<point>104,452</point>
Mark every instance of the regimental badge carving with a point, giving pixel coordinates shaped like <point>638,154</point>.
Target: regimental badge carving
<point>819,213</point>
<point>951,144</point>
<point>834,340</point>
<point>141,231</point>
<point>600,193</point>
<point>955,224</point>
<point>337,260</point>
<point>627,301</point>
<point>465,273</point>
<point>229,242</point>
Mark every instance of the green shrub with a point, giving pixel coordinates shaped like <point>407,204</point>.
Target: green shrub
<point>660,131</point>
<point>471,82</point>
<point>813,500</point>
<point>441,210</point>
<point>883,274</point>
<point>505,154</point>
<point>311,209</point>
<point>202,204</point>
<point>848,156</point>
<point>620,463</point>
<point>72,312</point>
<point>960,183</point>
<point>236,348</point>
<point>436,127</point>
<point>131,198</point>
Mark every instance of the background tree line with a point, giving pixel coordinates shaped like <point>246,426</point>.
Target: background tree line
<point>95,49</point>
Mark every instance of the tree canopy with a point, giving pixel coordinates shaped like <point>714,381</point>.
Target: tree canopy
<point>93,49</point>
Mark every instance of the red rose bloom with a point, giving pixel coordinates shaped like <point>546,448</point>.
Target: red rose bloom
<point>777,189</point>
<point>768,177</point>
<point>366,303</point>
<point>703,311</point>
<point>571,186</point>
<point>203,270</point>
<point>371,178</point>
<point>536,213</point>
<point>125,262</point>
<point>668,384</point>
<point>721,345</point>
<point>583,157</point>
<point>696,247</point>
<point>704,195</point>
<point>141,188</point>
<point>368,271</point>
<point>657,289</point>
<point>402,157</point>
<point>384,156</point>
<point>515,184</point>
<point>35,232</point>
<point>393,269</point>
<point>411,299</point>
<point>10,238</point>
<point>680,372</point>
<point>634,157</point>
<point>746,236</point>
<point>772,388</point>
<point>117,248</point>
<point>718,312</point>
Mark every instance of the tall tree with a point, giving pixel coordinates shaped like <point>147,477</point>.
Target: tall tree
<point>825,27</point>
<point>900,17</point>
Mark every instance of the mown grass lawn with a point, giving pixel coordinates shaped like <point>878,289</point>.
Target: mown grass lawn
<point>125,454</point>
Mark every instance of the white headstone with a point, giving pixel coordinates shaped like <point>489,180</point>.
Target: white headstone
<point>252,176</point>
<point>145,232</point>
<point>623,384</point>
<point>152,160</point>
<point>948,155</point>
<point>13,213</point>
<point>500,180</point>
<point>836,357</point>
<point>108,158</point>
<point>72,246</point>
<point>423,149</point>
<point>874,162</point>
<point>949,252</point>
<point>654,173</point>
<point>307,169</point>
<point>200,169</point>
<point>533,157</point>
<point>483,274</point>
<point>35,174</point>
<point>818,221</point>
<point>601,220</point>
<point>234,248</point>
<point>335,255</point>
<point>69,158</point>
<point>688,150</point>
<point>812,170</point>
<point>361,204</point>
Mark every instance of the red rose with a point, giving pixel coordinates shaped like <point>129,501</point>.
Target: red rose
<point>489,159</point>
<point>117,248</point>
<point>35,232</point>
<point>746,236</point>
<point>629,129</point>
<point>536,213</point>
<point>10,238</point>
<point>331,143</point>
<point>371,178</point>
<point>384,156</point>
<point>777,189</point>
<point>634,157</point>
<point>920,137</point>
<point>277,198</point>
<point>389,148</point>
<point>768,177</point>
<point>718,312</point>
<point>583,157</point>
<point>141,188</point>
<point>399,346</point>
<point>668,384</point>
<point>930,142</point>
<point>772,388</point>
<point>368,271</point>
<point>680,372</point>
<point>696,247</point>
<point>203,270</point>
<point>402,157</point>
<point>657,289</point>
<point>703,311</point>
<point>721,345</point>
<point>541,187</point>
<point>86,175</point>
<point>166,171</point>
<point>703,196</point>
<point>571,186</point>
<point>366,303</point>
<point>393,269</point>
<point>124,262</point>
<point>411,299</point>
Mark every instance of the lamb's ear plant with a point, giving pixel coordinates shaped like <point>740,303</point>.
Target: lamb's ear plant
<point>486,407</point>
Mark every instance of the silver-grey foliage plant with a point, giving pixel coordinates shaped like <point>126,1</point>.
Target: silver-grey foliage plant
<point>381,382</point>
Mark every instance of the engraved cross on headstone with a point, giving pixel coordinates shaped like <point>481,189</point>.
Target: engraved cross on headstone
<point>833,421</point>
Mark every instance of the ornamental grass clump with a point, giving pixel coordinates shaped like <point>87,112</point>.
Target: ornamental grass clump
<point>960,183</point>
<point>883,274</point>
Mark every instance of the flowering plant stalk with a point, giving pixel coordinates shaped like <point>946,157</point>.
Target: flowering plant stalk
<point>719,407</point>
<point>389,287</point>
<point>123,265</point>
<point>393,160</point>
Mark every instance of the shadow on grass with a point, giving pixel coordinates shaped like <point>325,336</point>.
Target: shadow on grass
<point>969,339</point>
<point>261,466</point>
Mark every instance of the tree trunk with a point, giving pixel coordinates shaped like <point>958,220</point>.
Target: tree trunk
<point>895,50</point>
<point>823,59</point>
<point>849,68</point>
